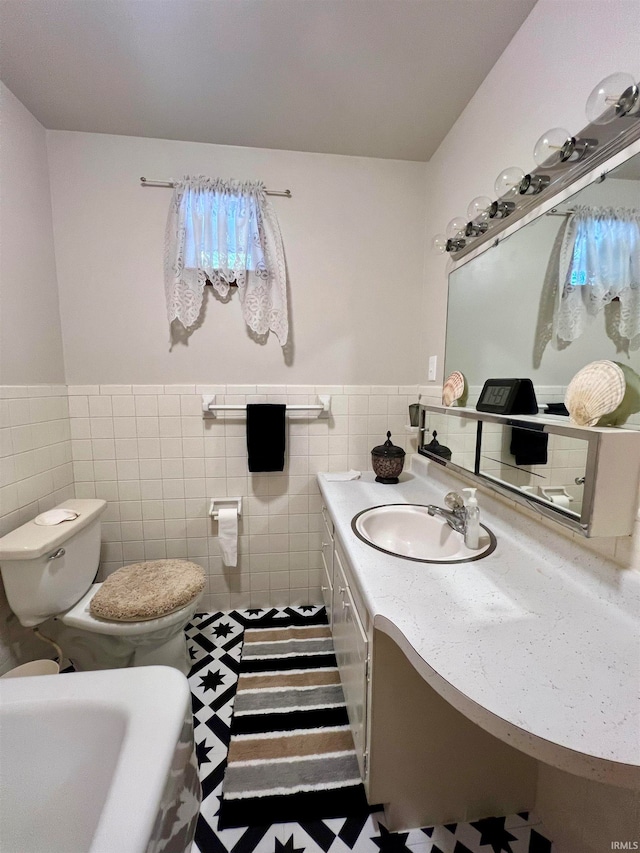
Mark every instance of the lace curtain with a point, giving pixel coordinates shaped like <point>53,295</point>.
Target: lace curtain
<point>599,262</point>
<point>225,232</point>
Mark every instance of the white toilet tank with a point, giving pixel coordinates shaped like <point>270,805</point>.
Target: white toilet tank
<point>46,569</point>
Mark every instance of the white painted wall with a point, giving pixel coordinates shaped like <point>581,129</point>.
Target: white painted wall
<point>35,446</point>
<point>30,335</point>
<point>353,240</point>
<point>542,80</point>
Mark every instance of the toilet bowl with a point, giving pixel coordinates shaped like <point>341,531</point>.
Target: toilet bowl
<point>92,643</point>
<point>48,573</point>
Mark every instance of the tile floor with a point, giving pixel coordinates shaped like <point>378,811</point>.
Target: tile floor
<point>215,644</point>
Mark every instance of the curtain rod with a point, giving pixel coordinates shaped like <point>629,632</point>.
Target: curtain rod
<point>145,182</point>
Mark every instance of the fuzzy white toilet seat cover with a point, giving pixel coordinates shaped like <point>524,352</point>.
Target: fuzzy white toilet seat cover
<point>147,590</point>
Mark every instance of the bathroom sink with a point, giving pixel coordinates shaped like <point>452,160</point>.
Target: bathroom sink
<point>408,531</point>
<point>86,757</point>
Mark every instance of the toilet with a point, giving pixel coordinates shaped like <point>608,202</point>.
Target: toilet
<point>48,566</point>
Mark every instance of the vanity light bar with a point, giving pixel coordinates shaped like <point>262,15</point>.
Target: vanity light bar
<point>562,158</point>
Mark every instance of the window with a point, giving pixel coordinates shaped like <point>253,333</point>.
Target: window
<point>225,232</point>
<point>222,231</point>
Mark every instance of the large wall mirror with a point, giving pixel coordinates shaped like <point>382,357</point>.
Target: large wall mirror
<point>504,311</point>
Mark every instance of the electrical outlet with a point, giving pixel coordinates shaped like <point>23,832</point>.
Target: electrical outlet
<point>433,367</point>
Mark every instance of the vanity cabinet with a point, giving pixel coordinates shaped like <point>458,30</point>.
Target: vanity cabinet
<point>418,756</point>
<point>351,646</point>
<point>327,564</point>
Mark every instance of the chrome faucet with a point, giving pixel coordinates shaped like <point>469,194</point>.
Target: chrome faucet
<point>455,515</point>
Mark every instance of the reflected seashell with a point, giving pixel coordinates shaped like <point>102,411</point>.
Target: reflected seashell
<point>455,388</point>
<point>631,402</point>
<point>595,391</point>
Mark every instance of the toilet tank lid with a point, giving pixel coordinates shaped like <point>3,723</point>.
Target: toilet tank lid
<point>31,540</point>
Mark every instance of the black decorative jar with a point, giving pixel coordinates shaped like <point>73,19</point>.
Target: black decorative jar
<point>434,447</point>
<point>387,461</point>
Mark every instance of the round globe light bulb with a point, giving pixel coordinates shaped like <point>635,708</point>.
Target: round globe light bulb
<point>439,244</point>
<point>479,207</point>
<point>606,101</point>
<point>508,181</point>
<point>548,149</point>
<point>456,226</point>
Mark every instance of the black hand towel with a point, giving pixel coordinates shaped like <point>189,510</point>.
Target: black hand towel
<point>529,446</point>
<point>266,436</point>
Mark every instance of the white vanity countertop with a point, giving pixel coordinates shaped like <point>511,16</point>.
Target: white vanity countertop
<point>539,643</point>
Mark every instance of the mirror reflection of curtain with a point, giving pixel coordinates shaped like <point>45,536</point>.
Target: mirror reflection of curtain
<point>548,299</point>
<point>599,263</point>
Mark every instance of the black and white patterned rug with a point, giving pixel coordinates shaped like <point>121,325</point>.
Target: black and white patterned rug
<point>215,644</point>
<point>291,755</point>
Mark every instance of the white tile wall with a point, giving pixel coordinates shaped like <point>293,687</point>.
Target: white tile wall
<point>148,451</point>
<point>152,455</point>
<point>36,473</point>
<point>36,470</point>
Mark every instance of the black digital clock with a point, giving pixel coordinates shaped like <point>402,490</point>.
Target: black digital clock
<point>508,397</point>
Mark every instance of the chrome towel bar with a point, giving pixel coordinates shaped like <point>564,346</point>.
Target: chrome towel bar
<point>210,407</point>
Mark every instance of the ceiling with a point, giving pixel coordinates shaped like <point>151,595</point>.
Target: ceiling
<point>378,78</point>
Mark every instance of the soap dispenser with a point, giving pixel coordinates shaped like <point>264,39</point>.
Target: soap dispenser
<point>472,529</point>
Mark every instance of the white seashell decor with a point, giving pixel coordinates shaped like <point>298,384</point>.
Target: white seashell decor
<point>454,388</point>
<point>595,391</point>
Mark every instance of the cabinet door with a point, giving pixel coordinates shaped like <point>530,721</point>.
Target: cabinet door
<point>351,647</point>
<point>327,564</point>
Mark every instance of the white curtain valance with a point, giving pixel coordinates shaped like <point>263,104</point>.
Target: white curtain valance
<point>225,232</point>
<point>599,262</point>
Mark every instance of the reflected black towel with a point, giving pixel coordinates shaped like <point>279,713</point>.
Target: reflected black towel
<point>266,436</point>
<point>557,409</point>
<point>529,446</point>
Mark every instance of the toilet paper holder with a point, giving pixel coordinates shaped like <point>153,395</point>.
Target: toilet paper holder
<point>556,494</point>
<point>218,503</point>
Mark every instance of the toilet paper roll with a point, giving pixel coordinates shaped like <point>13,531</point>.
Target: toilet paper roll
<point>228,535</point>
<point>560,500</point>
<point>559,497</point>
